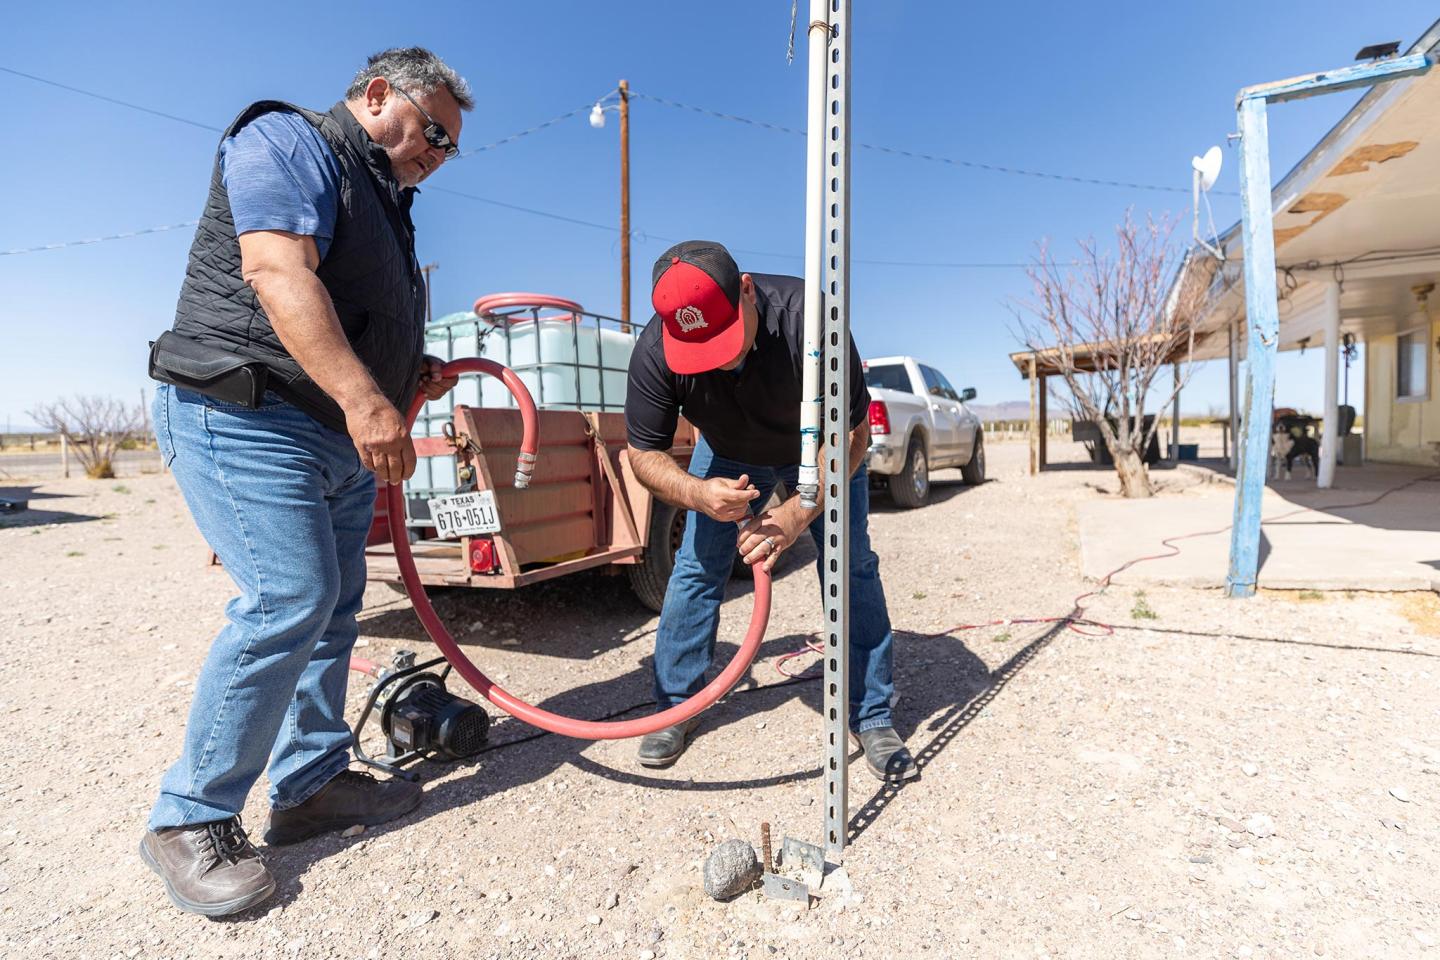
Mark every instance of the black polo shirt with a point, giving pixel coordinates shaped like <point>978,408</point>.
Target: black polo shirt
<point>751,414</point>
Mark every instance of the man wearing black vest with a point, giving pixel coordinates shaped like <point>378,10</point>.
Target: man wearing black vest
<point>302,287</point>
<point>726,349</point>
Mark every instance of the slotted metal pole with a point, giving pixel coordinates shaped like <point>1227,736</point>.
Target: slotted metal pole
<point>818,42</point>
<point>836,425</point>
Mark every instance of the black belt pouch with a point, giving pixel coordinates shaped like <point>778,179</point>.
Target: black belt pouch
<point>208,369</point>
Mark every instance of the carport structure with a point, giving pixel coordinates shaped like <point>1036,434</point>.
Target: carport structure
<point>1038,366</point>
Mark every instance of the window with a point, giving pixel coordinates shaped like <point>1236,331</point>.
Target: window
<point>950,391</point>
<point>888,376</point>
<point>934,383</point>
<point>1412,354</point>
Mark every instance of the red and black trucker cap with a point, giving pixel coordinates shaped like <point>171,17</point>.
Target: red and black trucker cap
<point>697,296</point>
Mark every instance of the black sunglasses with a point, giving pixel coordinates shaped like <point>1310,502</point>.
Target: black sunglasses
<point>435,135</point>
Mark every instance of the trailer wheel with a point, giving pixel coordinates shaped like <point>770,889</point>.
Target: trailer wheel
<point>651,575</point>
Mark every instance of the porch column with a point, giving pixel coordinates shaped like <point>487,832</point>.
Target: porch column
<point>1262,319</point>
<point>1044,422</point>
<point>1034,418</point>
<point>1234,368</point>
<point>1329,440</point>
<point>1175,420</point>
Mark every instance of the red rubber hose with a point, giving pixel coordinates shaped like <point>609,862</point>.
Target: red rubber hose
<point>511,704</point>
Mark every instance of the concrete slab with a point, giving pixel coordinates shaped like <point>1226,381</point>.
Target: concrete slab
<point>1378,529</point>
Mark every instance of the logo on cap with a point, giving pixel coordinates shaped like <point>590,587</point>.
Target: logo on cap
<point>690,318</point>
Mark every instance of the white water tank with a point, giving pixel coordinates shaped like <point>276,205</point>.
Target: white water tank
<point>568,358</point>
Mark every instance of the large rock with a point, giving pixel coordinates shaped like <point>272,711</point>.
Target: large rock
<point>731,869</point>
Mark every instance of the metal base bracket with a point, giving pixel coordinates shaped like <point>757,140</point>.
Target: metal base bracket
<point>776,887</point>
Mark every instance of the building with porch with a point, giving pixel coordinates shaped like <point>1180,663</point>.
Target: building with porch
<point>1357,255</point>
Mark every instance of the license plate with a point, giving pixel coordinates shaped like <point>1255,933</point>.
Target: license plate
<point>465,514</point>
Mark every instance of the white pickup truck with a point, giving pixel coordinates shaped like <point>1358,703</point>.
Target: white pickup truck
<point>918,423</point>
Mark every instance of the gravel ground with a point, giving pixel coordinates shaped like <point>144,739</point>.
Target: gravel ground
<point>1213,779</point>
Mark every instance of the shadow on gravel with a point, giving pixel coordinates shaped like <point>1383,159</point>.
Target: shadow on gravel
<point>939,677</point>
<point>573,617</point>
<point>940,491</point>
<point>1280,640</point>
<point>33,517</point>
<point>970,686</point>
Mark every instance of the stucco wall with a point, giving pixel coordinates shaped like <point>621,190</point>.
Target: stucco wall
<point>1400,431</point>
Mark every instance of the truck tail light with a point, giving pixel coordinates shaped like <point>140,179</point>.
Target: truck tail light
<point>879,418</point>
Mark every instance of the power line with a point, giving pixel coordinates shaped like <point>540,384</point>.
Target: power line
<point>917,155</point>
<point>204,126</point>
<point>640,235</point>
<point>530,210</point>
<point>122,103</point>
<point>114,236</point>
<point>535,129</point>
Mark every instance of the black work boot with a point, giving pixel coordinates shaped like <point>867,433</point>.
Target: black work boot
<point>886,755</point>
<point>208,868</point>
<point>351,798</point>
<point>663,747</point>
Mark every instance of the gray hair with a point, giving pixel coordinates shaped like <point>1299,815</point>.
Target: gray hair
<point>414,70</point>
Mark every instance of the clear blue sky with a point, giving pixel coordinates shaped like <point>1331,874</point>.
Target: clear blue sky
<point>1126,91</point>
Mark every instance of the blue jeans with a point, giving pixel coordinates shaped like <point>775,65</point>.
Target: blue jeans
<point>286,505</point>
<point>685,641</point>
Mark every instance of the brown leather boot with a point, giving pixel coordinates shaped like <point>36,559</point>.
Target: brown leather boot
<point>351,798</point>
<point>208,868</point>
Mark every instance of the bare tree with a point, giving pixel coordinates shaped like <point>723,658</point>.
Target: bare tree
<point>95,428</point>
<point>1109,323</point>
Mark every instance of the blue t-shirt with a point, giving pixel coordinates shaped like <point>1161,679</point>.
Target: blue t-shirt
<point>282,175</point>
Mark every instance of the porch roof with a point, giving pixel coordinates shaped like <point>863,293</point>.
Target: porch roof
<point>1362,207</point>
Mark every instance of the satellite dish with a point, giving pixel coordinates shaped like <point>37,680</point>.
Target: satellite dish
<point>1208,167</point>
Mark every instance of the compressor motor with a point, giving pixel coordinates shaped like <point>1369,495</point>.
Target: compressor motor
<point>420,718</point>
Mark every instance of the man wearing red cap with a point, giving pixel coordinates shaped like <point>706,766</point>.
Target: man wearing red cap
<point>726,349</point>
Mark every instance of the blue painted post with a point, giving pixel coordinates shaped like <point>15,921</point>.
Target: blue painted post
<point>1262,315</point>
<point>1263,322</point>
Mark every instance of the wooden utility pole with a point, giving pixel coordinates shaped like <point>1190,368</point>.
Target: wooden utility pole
<point>625,206</point>
<point>426,271</point>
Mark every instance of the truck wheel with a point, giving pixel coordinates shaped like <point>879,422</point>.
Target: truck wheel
<point>973,473</point>
<point>651,575</point>
<point>910,487</point>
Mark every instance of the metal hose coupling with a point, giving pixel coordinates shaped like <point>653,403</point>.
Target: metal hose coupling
<point>809,495</point>
<point>524,469</point>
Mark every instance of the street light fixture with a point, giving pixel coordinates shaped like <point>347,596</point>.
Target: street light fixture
<point>597,121</point>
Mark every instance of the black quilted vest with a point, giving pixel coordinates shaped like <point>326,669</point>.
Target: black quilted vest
<point>370,271</point>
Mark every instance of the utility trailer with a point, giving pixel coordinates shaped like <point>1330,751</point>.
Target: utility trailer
<point>584,508</point>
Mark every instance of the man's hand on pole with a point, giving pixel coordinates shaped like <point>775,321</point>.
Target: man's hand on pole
<point>726,500</point>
